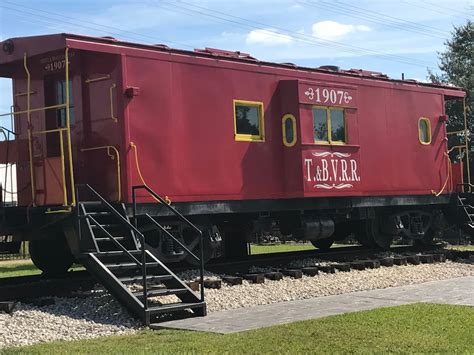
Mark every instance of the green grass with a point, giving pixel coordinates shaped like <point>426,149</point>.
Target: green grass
<point>280,248</point>
<point>417,328</point>
<point>461,247</point>
<point>12,268</point>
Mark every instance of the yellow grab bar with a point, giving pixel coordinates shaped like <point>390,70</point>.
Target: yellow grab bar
<point>112,115</point>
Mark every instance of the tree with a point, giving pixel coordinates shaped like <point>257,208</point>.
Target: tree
<point>457,68</point>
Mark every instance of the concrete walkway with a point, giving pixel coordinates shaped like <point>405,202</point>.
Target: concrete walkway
<point>459,291</point>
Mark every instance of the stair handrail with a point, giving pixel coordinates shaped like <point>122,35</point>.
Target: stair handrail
<point>135,188</point>
<point>124,221</point>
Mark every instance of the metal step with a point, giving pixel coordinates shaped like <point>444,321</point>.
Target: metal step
<point>161,292</point>
<point>139,278</point>
<point>123,266</point>
<point>118,253</point>
<point>106,239</point>
<point>175,307</point>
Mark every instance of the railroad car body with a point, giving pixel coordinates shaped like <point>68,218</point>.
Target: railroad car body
<point>237,145</point>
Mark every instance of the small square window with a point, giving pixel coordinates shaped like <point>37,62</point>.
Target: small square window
<point>248,121</point>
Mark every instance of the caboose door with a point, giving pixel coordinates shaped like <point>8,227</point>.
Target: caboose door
<point>100,157</point>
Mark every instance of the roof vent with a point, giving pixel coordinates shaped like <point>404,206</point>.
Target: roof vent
<point>362,72</point>
<point>223,53</point>
<point>162,46</point>
<point>329,67</point>
<point>110,38</point>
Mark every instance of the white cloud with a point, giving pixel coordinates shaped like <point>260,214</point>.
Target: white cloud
<point>268,36</point>
<point>334,30</point>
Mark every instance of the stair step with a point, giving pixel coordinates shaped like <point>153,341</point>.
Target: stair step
<point>106,239</point>
<point>118,253</point>
<point>175,307</point>
<point>107,226</point>
<point>161,292</point>
<point>129,266</point>
<point>139,278</point>
<point>99,213</point>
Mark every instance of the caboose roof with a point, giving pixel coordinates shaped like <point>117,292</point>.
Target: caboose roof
<point>36,45</point>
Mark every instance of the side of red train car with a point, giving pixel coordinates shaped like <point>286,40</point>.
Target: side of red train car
<point>220,132</point>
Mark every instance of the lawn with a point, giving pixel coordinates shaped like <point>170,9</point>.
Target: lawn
<point>461,247</point>
<point>416,328</point>
<point>10,268</point>
<point>280,248</point>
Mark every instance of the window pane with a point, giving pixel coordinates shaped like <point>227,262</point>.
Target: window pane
<point>424,131</point>
<point>338,130</point>
<point>289,134</point>
<point>320,124</point>
<point>247,119</point>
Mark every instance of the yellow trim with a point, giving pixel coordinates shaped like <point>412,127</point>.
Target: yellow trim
<point>112,115</point>
<point>250,137</point>
<point>283,127</point>
<point>429,130</point>
<point>117,154</point>
<point>51,211</point>
<point>328,110</point>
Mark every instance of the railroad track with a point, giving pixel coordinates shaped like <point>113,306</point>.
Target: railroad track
<point>26,288</point>
<point>335,254</point>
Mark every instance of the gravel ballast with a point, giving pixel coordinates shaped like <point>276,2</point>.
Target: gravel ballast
<point>100,315</point>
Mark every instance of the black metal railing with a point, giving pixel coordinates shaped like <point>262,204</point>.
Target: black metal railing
<point>127,224</point>
<point>174,211</point>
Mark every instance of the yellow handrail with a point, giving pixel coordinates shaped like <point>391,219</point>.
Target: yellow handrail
<point>447,178</point>
<point>28,117</point>
<point>117,154</point>
<point>100,78</point>
<point>33,109</point>
<point>134,147</point>
<point>467,144</point>
<point>112,115</point>
<point>68,126</point>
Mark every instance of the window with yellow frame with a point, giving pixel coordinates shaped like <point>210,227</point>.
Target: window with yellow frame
<point>424,131</point>
<point>249,121</point>
<point>288,125</point>
<point>329,125</point>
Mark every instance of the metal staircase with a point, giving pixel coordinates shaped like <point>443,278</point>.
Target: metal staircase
<point>114,251</point>
<point>465,212</point>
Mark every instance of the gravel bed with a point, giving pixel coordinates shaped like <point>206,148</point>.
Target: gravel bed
<point>100,315</point>
<point>66,319</point>
<point>289,289</point>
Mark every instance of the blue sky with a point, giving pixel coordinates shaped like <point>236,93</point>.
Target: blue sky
<point>387,36</point>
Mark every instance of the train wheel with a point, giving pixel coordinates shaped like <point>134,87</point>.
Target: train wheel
<point>235,240</point>
<point>323,244</point>
<point>362,235</point>
<point>376,233</point>
<point>51,256</point>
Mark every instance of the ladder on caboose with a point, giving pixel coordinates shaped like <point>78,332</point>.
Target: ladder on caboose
<point>114,251</point>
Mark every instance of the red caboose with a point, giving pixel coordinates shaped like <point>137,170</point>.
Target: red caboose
<point>238,145</point>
